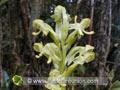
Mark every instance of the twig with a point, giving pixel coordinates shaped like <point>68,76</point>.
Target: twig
<point>91,18</point>
<point>25,18</point>
<point>113,63</point>
<point>77,6</point>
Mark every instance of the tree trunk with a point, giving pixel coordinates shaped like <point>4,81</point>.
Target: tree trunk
<point>1,81</point>
<point>16,63</point>
<point>102,37</point>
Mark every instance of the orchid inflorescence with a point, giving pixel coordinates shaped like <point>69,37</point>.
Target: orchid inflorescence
<point>64,56</point>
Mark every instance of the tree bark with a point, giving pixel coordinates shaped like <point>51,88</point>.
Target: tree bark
<point>91,23</point>
<point>34,14</point>
<point>1,81</point>
<point>102,37</point>
<point>16,63</point>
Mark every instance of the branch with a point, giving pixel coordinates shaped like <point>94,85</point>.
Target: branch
<point>91,24</point>
<point>25,18</point>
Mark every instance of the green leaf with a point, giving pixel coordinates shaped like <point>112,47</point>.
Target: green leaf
<point>111,75</point>
<point>115,85</point>
<point>3,2</point>
<point>115,88</point>
<point>81,68</point>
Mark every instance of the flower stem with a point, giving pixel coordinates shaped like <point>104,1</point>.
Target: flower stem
<point>62,63</point>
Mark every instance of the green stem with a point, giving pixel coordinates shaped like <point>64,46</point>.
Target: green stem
<point>62,63</point>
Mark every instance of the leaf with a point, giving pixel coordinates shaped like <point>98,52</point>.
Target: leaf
<point>3,2</point>
<point>81,68</point>
<point>115,85</point>
<point>111,75</point>
<point>115,89</point>
<point>116,26</point>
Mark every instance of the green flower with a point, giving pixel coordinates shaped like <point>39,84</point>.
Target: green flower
<point>61,53</point>
<point>80,27</point>
<point>86,55</point>
<point>45,29</point>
